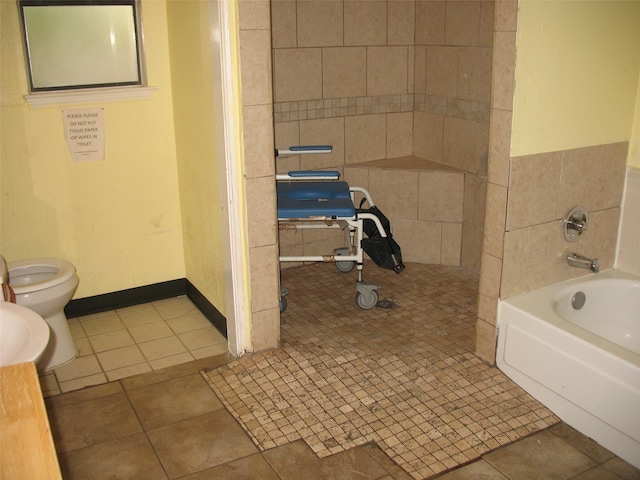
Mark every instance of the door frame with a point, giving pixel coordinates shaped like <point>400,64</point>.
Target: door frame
<point>227,110</point>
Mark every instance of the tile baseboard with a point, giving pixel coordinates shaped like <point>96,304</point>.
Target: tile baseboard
<point>145,294</point>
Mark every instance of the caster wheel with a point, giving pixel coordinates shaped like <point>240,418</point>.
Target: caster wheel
<point>398,268</point>
<point>366,301</point>
<point>345,267</point>
<point>283,304</point>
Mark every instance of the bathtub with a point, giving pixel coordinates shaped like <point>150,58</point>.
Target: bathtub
<point>581,363</point>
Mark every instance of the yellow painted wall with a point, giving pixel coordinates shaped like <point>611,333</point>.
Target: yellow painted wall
<point>192,79</point>
<point>577,72</point>
<point>117,220</point>
<point>634,144</point>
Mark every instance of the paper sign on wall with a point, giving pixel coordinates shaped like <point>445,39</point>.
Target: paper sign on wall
<point>84,133</point>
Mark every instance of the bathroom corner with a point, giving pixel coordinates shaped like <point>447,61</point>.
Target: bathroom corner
<point>628,257</point>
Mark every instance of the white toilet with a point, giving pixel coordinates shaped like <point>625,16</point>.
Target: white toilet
<point>45,285</point>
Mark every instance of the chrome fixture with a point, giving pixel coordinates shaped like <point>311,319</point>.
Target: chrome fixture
<point>575,223</point>
<point>580,261</point>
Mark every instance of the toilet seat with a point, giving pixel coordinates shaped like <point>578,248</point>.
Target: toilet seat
<point>57,271</point>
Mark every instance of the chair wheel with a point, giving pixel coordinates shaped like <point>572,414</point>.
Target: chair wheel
<point>283,304</point>
<point>366,301</point>
<point>345,267</point>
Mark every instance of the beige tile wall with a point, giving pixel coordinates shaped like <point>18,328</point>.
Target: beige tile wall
<point>475,194</point>
<point>502,82</point>
<point>542,190</point>
<point>426,206</point>
<point>257,129</point>
<point>452,104</point>
<point>380,79</point>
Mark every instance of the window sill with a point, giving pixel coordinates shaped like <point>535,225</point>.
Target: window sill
<point>97,95</point>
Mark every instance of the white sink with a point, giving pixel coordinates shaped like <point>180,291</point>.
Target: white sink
<point>24,335</point>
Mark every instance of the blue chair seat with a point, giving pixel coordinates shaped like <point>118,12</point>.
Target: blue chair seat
<point>314,199</point>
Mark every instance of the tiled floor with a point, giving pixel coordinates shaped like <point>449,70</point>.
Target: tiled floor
<point>404,378</point>
<point>134,340</point>
<point>391,393</point>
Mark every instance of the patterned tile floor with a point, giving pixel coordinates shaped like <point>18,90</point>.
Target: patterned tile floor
<point>404,377</point>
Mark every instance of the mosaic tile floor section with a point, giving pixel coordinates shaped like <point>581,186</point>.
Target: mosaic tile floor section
<point>404,377</point>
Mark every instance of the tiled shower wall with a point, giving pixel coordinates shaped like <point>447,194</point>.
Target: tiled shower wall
<point>524,247</point>
<point>502,87</point>
<point>453,94</point>
<point>386,79</point>
<point>629,245</point>
<point>543,188</point>
<point>260,189</point>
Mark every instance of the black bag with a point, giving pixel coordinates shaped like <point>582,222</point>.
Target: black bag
<point>385,252</point>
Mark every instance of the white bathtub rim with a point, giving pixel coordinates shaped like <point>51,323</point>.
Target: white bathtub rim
<point>534,302</point>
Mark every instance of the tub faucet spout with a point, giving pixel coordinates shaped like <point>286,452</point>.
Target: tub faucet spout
<point>580,261</point>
